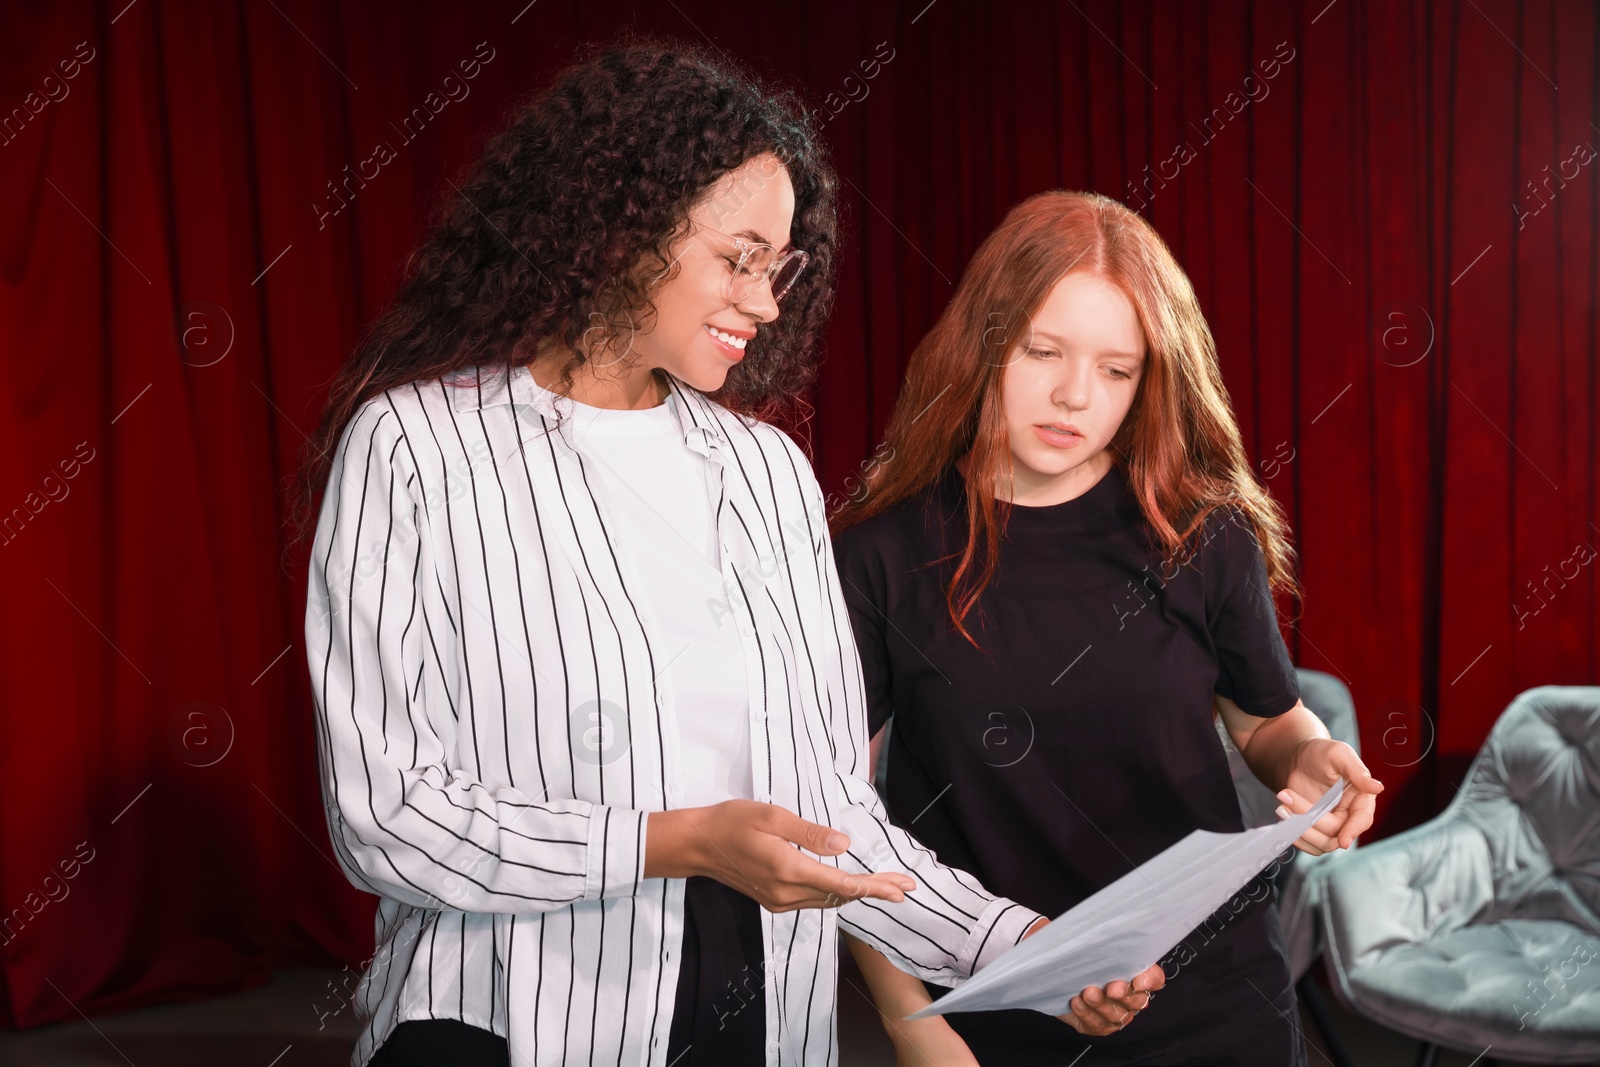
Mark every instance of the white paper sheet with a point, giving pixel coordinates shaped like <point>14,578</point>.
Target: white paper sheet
<point>1131,923</point>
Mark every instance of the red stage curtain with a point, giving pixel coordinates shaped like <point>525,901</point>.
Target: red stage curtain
<point>1389,213</point>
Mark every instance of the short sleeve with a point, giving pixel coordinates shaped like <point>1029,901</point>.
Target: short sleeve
<point>1254,670</point>
<point>861,573</point>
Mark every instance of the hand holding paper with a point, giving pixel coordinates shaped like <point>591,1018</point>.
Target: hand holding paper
<point>1318,762</point>
<point>1097,1012</point>
<point>1131,923</point>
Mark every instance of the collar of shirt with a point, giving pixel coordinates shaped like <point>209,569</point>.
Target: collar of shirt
<point>702,431</point>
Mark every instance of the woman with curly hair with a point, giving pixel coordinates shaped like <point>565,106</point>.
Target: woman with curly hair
<point>590,717</point>
<point>1064,469</point>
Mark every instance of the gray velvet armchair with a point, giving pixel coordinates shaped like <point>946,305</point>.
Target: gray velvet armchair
<point>1480,930</point>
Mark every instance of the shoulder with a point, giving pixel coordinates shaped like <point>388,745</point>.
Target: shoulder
<point>408,409</point>
<point>417,429</point>
<point>375,425</point>
<point>777,439</point>
<point>765,451</point>
<point>1226,535</point>
<point>769,438</point>
<point>896,538</point>
<point>1229,557</point>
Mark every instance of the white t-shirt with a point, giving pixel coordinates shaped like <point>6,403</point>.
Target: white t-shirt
<point>663,496</point>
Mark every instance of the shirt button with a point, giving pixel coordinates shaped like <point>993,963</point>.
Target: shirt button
<point>765,798</point>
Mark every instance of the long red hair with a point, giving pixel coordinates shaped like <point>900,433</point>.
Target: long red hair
<point>1179,444</point>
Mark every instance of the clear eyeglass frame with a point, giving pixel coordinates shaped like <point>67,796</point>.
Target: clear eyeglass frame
<point>758,262</point>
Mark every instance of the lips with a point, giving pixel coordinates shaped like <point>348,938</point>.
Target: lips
<point>732,338</point>
<point>731,345</point>
<point>1059,435</point>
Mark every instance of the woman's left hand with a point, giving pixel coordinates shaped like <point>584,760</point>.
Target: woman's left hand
<point>1318,764</point>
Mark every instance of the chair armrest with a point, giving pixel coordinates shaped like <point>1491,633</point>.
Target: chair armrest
<point>1404,889</point>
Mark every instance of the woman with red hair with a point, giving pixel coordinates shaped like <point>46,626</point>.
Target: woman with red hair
<point>1064,475</point>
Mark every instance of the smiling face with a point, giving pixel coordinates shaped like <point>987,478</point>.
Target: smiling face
<point>1067,386</point>
<point>698,333</point>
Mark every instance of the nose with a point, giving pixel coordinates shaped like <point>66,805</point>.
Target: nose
<point>1072,385</point>
<point>759,304</point>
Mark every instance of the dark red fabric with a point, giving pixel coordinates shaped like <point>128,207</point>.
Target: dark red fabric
<point>1403,294</point>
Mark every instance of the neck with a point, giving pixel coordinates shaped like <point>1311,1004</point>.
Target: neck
<point>1028,488</point>
<point>630,386</point>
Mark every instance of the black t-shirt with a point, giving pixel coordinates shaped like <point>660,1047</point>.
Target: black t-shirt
<point>1080,743</point>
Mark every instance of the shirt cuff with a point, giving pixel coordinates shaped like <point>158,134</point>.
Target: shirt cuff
<point>615,854</point>
<point>999,930</point>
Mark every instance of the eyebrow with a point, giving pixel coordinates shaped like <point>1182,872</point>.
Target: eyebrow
<point>754,236</point>
<point>1137,357</point>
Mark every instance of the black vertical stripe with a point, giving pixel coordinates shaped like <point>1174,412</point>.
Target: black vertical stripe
<point>465,644</point>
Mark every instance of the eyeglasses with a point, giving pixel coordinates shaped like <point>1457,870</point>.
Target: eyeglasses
<point>758,262</point>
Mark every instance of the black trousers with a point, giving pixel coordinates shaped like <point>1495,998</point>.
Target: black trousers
<point>718,1017</point>
<point>437,1042</point>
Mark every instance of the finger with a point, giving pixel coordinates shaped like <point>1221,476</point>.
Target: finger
<point>1354,772</point>
<point>904,882</point>
<point>1328,825</point>
<point>1318,839</point>
<point>838,888</point>
<point>1331,823</point>
<point>1342,827</point>
<point>890,885</point>
<point>1110,1015</point>
<point>1359,822</point>
<point>813,837</point>
<point>1127,1008</point>
<point>1150,979</point>
<point>807,883</point>
<point>1088,1020</point>
<point>1284,813</point>
<point>1125,1005</point>
<point>1118,990</point>
<point>1292,803</point>
<point>1102,1008</point>
<point>841,887</point>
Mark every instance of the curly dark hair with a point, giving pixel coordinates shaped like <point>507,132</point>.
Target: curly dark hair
<point>564,221</point>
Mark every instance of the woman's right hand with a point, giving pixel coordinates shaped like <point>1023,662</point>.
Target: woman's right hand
<point>1096,1012</point>
<point>750,846</point>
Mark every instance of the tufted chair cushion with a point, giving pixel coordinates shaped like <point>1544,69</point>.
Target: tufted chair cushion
<point>1480,927</point>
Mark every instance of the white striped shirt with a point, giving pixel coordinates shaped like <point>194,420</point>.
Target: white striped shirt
<point>469,609</point>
